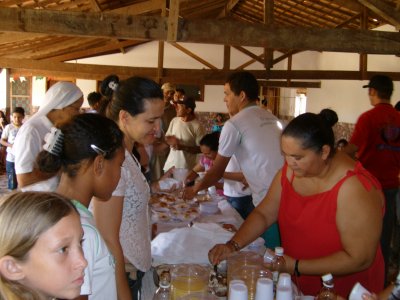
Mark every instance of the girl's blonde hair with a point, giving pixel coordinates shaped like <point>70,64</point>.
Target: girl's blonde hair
<point>23,218</point>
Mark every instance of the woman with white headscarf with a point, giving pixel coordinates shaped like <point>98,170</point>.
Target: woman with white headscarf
<point>61,102</point>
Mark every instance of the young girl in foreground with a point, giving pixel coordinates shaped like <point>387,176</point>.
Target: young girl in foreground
<point>89,151</point>
<point>40,247</point>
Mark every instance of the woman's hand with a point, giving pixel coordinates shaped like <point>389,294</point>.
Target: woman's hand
<point>168,174</point>
<point>189,193</point>
<point>290,262</point>
<point>191,176</point>
<point>219,253</point>
<point>172,141</point>
<point>372,296</point>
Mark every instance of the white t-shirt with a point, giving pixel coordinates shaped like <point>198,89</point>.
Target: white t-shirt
<point>27,145</point>
<point>9,134</point>
<point>135,228</point>
<point>189,134</point>
<point>99,281</point>
<point>253,135</point>
<point>233,188</point>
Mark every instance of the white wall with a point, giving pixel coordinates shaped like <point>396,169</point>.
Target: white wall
<point>3,89</point>
<point>346,97</point>
<point>38,90</point>
<point>87,86</point>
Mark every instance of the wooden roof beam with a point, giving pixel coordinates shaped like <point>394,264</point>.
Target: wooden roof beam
<point>140,8</point>
<point>194,56</point>
<point>226,32</point>
<point>383,10</point>
<point>173,21</point>
<point>249,53</point>
<point>111,47</point>
<point>230,4</point>
<point>291,84</point>
<point>88,71</point>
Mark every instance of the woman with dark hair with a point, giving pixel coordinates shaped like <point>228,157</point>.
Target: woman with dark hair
<point>329,210</point>
<point>136,106</point>
<point>89,153</point>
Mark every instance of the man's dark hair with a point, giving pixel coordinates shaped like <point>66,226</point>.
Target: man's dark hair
<point>94,98</point>
<point>179,90</point>
<point>397,106</point>
<point>246,82</point>
<point>19,110</point>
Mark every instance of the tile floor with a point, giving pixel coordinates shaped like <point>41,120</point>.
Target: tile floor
<point>3,184</point>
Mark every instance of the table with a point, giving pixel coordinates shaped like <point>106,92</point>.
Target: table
<point>173,239</point>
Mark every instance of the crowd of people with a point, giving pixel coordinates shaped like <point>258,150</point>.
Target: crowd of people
<point>85,182</point>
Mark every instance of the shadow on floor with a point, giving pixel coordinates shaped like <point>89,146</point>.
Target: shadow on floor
<point>3,185</point>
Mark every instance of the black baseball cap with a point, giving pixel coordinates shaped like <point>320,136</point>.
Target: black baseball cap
<point>189,102</point>
<point>380,83</point>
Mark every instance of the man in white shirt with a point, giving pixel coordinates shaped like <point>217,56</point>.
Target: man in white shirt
<point>183,136</point>
<point>253,136</point>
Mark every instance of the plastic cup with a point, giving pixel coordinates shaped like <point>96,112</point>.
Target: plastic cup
<point>284,293</point>
<point>264,289</point>
<point>357,292</point>
<point>232,282</point>
<point>238,291</point>
<point>284,280</point>
<point>212,190</point>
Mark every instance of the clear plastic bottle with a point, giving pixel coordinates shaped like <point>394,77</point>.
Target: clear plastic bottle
<point>278,264</point>
<point>327,291</point>
<point>395,294</point>
<point>164,290</point>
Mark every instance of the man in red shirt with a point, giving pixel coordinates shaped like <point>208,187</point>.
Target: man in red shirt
<point>376,144</point>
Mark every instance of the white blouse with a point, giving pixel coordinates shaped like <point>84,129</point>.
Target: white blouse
<point>135,228</point>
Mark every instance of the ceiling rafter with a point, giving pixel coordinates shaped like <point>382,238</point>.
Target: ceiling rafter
<point>384,10</point>
<point>207,31</point>
<point>230,5</point>
<point>193,55</point>
<point>93,51</point>
<point>89,71</point>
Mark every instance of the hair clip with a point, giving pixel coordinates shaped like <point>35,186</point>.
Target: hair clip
<point>54,141</point>
<point>113,85</point>
<point>98,150</point>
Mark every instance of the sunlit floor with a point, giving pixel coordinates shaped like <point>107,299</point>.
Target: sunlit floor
<point>3,184</point>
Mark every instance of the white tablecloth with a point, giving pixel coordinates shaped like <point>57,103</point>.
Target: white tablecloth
<point>191,244</point>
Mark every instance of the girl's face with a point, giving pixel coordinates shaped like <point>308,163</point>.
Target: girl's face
<point>110,175</point>
<point>303,162</point>
<point>55,264</point>
<point>207,152</point>
<point>143,127</point>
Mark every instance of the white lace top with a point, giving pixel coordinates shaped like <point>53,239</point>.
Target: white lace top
<point>135,226</point>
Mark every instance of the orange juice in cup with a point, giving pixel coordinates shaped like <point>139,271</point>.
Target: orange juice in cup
<point>188,278</point>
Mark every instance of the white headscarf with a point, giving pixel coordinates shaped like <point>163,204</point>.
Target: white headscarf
<point>60,95</point>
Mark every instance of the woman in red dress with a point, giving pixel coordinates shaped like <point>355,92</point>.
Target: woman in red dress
<point>329,210</point>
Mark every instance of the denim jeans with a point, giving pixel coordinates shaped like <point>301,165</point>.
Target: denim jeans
<point>136,285</point>
<point>389,220</point>
<point>243,205</point>
<point>11,176</point>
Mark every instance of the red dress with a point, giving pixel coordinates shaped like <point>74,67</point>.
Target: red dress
<point>308,230</point>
